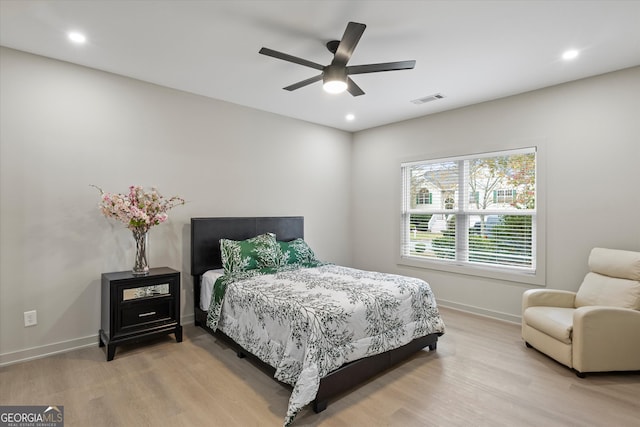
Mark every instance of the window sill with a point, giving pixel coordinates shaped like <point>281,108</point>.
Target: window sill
<point>521,277</point>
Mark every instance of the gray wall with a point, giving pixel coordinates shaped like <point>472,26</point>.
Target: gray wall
<point>64,127</point>
<point>589,131</point>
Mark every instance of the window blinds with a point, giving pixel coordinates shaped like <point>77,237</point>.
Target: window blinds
<point>477,209</point>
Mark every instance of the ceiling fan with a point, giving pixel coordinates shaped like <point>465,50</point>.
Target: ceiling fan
<point>335,76</point>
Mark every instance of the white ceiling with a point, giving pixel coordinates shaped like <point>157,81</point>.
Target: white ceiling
<point>470,51</point>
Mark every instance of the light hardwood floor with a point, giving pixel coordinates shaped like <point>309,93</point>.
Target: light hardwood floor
<point>480,375</point>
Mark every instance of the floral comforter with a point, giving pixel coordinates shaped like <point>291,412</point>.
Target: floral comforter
<point>307,322</point>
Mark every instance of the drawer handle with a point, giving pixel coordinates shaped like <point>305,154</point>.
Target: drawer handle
<point>151,313</point>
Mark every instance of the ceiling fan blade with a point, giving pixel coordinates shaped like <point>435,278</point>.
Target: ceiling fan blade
<point>386,66</point>
<point>348,43</point>
<point>304,83</point>
<point>290,58</point>
<point>353,88</point>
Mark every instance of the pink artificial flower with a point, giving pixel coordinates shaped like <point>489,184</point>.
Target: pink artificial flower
<point>139,209</point>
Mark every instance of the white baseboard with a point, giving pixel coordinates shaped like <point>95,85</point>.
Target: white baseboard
<point>61,347</point>
<point>47,350</point>
<point>511,318</point>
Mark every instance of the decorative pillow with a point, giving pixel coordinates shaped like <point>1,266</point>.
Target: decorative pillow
<point>243,255</point>
<point>296,252</point>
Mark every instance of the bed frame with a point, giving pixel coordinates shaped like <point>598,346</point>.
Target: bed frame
<point>205,255</point>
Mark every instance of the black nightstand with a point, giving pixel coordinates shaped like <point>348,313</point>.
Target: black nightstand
<point>139,307</point>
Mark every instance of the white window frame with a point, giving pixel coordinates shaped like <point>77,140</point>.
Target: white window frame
<point>537,276</point>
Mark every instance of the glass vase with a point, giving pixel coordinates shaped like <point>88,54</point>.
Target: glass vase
<point>141,266</point>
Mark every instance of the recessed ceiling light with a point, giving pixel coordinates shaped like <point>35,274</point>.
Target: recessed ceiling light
<point>350,117</point>
<point>76,37</point>
<point>570,54</point>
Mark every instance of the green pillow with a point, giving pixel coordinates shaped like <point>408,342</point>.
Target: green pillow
<point>297,252</point>
<point>243,255</point>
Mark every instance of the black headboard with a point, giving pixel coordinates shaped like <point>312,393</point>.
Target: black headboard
<point>207,232</point>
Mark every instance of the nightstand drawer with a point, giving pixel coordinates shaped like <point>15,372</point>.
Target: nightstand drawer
<point>134,315</point>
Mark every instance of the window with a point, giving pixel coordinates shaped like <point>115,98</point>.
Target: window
<point>481,211</point>
<point>474,197</point>
<point>504,196</point>
<point>423,197</point>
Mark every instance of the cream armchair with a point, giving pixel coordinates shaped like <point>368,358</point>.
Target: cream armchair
<point>596,329</point>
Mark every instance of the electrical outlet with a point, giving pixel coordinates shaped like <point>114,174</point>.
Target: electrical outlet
<point>30,318</point>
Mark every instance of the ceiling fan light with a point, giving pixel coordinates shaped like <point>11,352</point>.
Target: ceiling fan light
<point>334,86</point>
<point>334,79</point>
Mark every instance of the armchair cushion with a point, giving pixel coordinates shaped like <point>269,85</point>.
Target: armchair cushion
<point>597,289</point>
<point>556,322</point>
<point>615,263</point>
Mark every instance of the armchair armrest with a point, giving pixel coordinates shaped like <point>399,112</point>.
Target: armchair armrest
<point>606,339</point>
<point>548,298</point>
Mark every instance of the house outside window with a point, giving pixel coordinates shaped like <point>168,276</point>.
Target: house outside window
<point>485,217</point>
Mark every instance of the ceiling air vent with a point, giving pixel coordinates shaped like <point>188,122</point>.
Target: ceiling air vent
<point>429,98</point>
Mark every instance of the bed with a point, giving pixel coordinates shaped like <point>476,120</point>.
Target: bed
<point>206,258</point>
